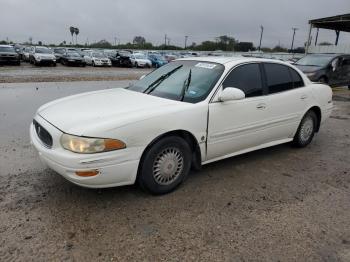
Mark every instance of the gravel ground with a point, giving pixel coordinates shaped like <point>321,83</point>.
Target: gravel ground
<point>276,204</point>
<point>30,73</point>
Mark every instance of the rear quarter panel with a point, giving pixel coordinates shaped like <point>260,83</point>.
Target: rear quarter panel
<point>323,98</point>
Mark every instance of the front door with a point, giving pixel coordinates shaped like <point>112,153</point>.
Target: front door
<point>238,124</point>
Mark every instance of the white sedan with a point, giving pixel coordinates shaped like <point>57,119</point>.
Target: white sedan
<point>140,60</point>
<point>185,114</point>
<point>97,59</point>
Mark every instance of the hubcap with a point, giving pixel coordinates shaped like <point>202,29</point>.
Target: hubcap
<point>307,129</point>
<point>168,166</point>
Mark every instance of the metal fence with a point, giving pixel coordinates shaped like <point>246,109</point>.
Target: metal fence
<point>337,49</point>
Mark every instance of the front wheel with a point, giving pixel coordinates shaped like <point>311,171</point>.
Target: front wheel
<point>165,165</point>
<point>306,130</point>
<point>323,80</point>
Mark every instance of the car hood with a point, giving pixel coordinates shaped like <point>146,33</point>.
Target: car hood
<point>142,60</point>
<point>8,53</point>
<point>74,58</point>
<point>45,55</point>
<point>308,69</point>
<point>104,110</point>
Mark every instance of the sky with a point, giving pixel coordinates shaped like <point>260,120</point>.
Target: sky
<point>49,20</point>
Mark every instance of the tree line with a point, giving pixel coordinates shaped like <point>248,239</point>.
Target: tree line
<point>223,43</point>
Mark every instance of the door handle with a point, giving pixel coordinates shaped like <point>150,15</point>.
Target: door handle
<point>261,106</point>
<point>303,97</point>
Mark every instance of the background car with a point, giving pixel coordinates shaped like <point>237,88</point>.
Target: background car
<point>8,55</point>
<point>140,60</point>
<point>112,55</point>
<point>72,58</point>
<point>41,55</point>
<point>97,59</point>
<point>157,60</point>
<point>333,69</point>
<point>26,53</point>
<point>58,53</point>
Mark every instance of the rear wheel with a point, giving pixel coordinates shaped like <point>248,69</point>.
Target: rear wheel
<point>306,130</point>
<point>165,165</point>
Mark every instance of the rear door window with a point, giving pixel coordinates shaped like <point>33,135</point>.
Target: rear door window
<point>297,80</point>
<point>247,78</point>
<point>278,78</point>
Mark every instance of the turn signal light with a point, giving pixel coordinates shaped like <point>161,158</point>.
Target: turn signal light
<point>87,173</point>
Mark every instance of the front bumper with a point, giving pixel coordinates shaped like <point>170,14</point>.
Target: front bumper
<point>45,61</point>
<point>101,63</point>
<point>116,168</point>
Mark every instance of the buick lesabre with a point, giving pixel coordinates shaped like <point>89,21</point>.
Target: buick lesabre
<point>186,114</point>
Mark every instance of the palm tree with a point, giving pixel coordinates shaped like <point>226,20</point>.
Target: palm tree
<point>72,31</point>
<point>76,30</point>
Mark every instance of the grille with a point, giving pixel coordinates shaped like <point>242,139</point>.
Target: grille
<point>43,135</point>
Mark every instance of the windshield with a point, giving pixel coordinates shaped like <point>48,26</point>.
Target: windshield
<point>140,56</point>
<point>73,54</point>
<point>196,79</point>
<point>6,49</point>
<point>59,51</point>
<point>42,50</point>
<point>157,57</point>
<point>98,55</point>
<point>313,60</point>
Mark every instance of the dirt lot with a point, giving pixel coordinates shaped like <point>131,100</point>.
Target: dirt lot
<point>276,204</point>
<point>30,73</point>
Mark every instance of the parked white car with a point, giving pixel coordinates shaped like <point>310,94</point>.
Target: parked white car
<point>97,59</point>
<point>41,55</point>
<point>185,114</point>
<point>140,60</point>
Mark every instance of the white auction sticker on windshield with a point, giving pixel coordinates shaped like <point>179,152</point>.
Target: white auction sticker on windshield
<point>205,65</point>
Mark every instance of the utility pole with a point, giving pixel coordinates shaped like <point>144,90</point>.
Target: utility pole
<point>165,38</point>
<point>294,29</point>
<point>186,37</point>
<point>115,41</point>
<point>261,35</point>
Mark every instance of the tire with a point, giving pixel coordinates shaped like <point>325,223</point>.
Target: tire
<point>93,63</point>
<point>165,165</point>
<point>323,79</point>
<point>136,65</point>
<point>306,130</point>
<point>54,64</point>
<point>349,87</point>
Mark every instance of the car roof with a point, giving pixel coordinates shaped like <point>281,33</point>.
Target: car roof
<point>227,60</point>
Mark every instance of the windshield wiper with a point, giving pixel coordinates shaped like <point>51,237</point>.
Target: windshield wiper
<point>185,86</point>
<point>156,83</point>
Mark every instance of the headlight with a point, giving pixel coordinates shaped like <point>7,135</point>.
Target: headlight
<point>87,145</point>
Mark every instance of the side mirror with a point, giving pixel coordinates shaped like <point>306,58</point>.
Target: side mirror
<point>231,93</point>
<point>143,76</point>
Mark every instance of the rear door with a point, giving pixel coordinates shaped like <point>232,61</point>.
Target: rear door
<point>287,100</point>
